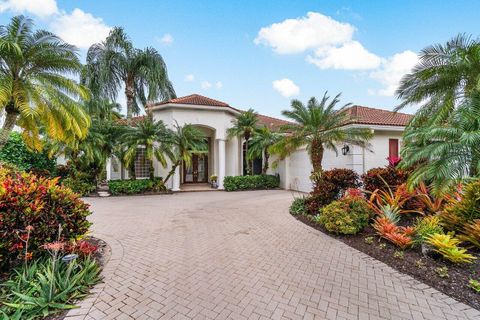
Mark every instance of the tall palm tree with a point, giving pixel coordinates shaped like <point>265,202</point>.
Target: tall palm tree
<point>244,126</point>
<point>35,89</point>
<point>151,135</point>
<point>114,63</point>
<point>319,126</point>
<point>186,140</point>
<point>442,79</point>
<point>103,109</point>
<point>446,153</point>
<point>263,138</point>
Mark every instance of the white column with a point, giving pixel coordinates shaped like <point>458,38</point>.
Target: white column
<point>221,162</point>
<point>109,169</point>
<point>176,180</point>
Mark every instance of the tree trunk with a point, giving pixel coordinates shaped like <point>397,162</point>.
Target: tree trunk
<point>131,171</point>
<point>130,94</point>
<point>10,121</point>
<point>152,170</point>
<point>266,156</point>
<point>316,155</point>
<point>174,167</point>
<point>247,161</point>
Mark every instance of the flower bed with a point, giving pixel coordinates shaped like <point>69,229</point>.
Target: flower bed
<point>46,261</point>
<point>435,239</point>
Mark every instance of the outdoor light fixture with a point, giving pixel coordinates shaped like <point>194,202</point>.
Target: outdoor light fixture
<point>345,149</point>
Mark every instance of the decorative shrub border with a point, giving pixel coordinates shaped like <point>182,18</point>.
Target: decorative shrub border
<point>255,182</point>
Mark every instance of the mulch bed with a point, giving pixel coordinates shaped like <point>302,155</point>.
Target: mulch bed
<point>415,264</point>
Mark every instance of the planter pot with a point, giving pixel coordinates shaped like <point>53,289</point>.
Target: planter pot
<point>214,185</point>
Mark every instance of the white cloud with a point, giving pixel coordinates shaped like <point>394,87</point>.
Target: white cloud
<point>167,39</point>
<point>392,70</point>
<point>205,85</point>
<point>286,87</point>
<point>298,35</point>
<point>189,78</point>
<point>219,85</point>
<point>80,28</point>
<point>350,56</point>
<point>40,8</point>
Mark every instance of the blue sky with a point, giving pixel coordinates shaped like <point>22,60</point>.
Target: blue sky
<point>262,54</point>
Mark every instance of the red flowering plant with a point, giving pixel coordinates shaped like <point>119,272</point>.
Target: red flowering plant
<point>39,204</point>
<point>393,161</point>
<point>82,247</point>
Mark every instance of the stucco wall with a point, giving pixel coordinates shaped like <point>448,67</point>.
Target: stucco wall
<point>295,170</point>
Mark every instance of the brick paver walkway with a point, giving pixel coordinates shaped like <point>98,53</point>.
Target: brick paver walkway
<point>217,255</point>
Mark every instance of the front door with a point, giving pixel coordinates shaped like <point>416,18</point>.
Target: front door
<point>198,171</point>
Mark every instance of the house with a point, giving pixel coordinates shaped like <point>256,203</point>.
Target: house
<point>225,156</point>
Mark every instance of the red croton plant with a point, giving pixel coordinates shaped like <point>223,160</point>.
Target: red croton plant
<point>34,207</point>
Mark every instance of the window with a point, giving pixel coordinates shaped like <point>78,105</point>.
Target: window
<point>393,148</point>
<point>142,165</point>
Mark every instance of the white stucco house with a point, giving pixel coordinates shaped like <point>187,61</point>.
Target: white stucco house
<point>225,155</point>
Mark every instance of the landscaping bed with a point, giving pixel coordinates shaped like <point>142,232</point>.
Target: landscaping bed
<point>434,237</point>
<point>455,285</point>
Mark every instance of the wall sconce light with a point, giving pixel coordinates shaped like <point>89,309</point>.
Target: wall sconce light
<point>345,149</point>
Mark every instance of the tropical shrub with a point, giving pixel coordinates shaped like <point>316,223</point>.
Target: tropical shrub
<point>43,287</point>
<point>16,152</point>
<point>471,232</point>
<point>298,207</point>
<point>119,187</point>
<point>464,209</point>
<point>447,246</point>
<point>264,181</point>
<point>395,200</point>
<point>328,186</point>
<point>427,226</point>
<point>383,178</point>
<point>345,216</point>
<point>79,185</point>
<point>32,208</point>
<point>400,236</point>
<point>342,179</point>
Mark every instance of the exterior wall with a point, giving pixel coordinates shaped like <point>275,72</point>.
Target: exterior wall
<point>295,170</point>
<point>214,123</point>
<point>378,158</point>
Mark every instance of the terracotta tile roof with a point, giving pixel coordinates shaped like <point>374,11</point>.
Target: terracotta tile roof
<point>271,123</point>
<point>135,120</point>
<point>194,99</point>
<point>373,116</point>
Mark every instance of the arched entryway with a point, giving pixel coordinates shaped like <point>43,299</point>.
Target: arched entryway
<point>201,167</point>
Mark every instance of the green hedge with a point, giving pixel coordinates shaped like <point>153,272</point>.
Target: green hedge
<point>118,187</point>
<point>233,183</point>
<point>16,152</point>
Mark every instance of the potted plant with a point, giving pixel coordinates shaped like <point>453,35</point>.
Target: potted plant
<point>213,181</point>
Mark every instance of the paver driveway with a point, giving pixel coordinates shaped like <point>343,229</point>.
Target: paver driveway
<point>218,255</point>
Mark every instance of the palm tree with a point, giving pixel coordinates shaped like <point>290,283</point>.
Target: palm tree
<point>443,78</point>
<point>114,63</point>
<point>319,126</point>
<point>35,88</point>
<point>244,126</point>
<point>151,135</point>
<point>103,109</point>
<point>263,138</point>
<point>444,154</point>
<point>186,140</point>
